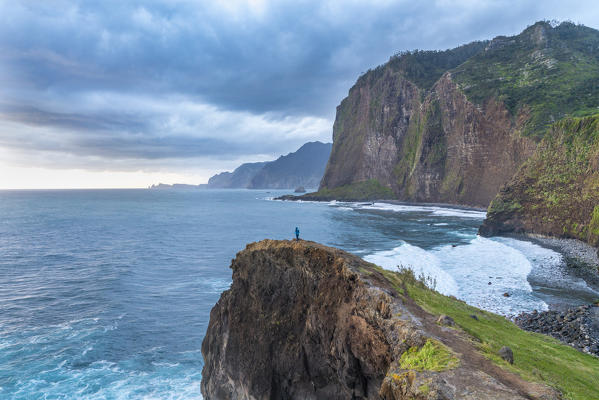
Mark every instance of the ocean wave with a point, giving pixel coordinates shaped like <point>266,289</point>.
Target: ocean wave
<point>433,210</point>
<point>479,272</point>
<point>420,261</point>
<point>549,268</point>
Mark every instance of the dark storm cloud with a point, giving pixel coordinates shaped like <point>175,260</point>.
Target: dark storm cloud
<point>87,70</point>
<point>33,116</point>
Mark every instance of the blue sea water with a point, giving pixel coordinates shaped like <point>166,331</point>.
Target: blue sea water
<point>106,294</point>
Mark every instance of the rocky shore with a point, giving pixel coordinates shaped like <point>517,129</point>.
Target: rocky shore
<point>578,254</point>
<point>577,327</point>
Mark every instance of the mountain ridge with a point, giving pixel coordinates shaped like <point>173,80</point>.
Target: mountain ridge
<point>434,126</point>
<point>303,167</point>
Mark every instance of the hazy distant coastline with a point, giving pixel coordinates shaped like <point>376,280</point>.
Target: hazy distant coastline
<point>302,168</point>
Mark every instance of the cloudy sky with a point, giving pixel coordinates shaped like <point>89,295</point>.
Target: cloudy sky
<point>119,93</point>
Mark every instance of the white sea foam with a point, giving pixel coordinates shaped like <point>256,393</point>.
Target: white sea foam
<point>549,269</point>
<point>465,272</point>
<point>486,260</point>
<point>433,210</point>
<point>107,380</point>
<point>420,261</point>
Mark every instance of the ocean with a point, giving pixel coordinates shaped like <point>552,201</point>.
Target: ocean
<point>106,294</point>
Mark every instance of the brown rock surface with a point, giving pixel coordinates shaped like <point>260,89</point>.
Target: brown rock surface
<point>427,145</point>
<point>305,321</point>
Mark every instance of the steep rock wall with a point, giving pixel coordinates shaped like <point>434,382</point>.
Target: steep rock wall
<point>427,146</point>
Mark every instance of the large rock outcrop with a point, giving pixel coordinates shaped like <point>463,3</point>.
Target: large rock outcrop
<point>454,126</point>
<point>304,321</point>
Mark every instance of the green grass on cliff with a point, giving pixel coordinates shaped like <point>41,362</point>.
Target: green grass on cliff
<point>360,191</point>
<point>546,72</point>
<point>537,357</point>
<point>433,356</point>
<point>556,192</point>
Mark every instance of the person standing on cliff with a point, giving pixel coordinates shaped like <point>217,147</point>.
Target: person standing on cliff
<point>296,233</point>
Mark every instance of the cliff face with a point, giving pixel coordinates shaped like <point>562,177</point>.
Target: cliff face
<point>304,321</point>
<point>429,146</point>
<point>556,192</point>
<point>454,126</point>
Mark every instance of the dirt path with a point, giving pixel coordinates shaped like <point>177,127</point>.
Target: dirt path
<point>473,359</point>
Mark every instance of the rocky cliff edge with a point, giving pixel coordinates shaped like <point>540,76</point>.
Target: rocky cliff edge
<point>305,321</point>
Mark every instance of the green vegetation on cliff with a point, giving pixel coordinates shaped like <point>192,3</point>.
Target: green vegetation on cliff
<point>435,125</point>
<point>556,192</point>
<point>537,358</point>
<point>433,356</point>
<point>545,72</point>
<point>425,67</point>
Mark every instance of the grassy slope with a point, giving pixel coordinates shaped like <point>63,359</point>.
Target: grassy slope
<point>537,358</point>
<point>544,72</point>
<point>556,192</point>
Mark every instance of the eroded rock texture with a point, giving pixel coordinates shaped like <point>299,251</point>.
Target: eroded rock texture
<point>304,321</point>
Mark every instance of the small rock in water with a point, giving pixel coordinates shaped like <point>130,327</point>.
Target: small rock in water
<point>446,320</point>
<point>507,354</point>
<point>506,294</point>
<point>489,283</point>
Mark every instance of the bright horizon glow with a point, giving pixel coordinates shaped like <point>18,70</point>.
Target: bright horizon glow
<point>26,178</point>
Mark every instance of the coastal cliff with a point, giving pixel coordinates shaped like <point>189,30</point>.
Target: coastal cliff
<point>556,192</point>
<point>426,146</point>
<point>454,126</point>
<point>303,167</point>
<point>305,321</point>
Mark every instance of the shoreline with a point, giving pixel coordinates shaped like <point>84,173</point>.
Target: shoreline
<point>573,248</point>
<point>580,258</point>
<point>394,202</point>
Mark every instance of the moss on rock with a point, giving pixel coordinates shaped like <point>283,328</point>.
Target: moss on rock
<point>433,356</point>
